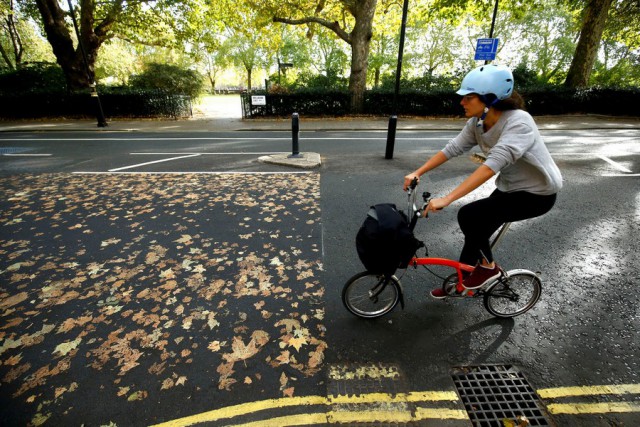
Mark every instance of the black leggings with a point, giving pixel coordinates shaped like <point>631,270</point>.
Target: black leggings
<point>480,219</point>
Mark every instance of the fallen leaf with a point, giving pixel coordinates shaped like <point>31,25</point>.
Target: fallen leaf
<point>64,348</point>
<point>297,342</point>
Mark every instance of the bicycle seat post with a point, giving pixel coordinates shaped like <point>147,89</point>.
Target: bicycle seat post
<point>500,235</point>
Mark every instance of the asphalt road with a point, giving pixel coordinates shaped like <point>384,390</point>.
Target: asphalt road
<point>159,277</point>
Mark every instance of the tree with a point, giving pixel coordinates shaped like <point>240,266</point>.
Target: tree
<point>252,40</point>
<point>117,62</point>
<point>8,26</point>
<point>548,42</point>
<point>246,53</point>
<point>440,46</point>
<point>98,22</point>
<point>59,35</point>
<point>350,20</point>
<point>593,24</point>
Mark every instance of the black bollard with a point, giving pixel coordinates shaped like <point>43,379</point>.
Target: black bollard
<point>295,129</point>
<point>391,137</point>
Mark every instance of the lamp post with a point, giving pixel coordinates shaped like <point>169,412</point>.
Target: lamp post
<point>493,23</point>
<point>102,122</point>
<point>393,120</point>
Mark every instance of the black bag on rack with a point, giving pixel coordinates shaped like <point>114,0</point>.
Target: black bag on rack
<point>384,241</point>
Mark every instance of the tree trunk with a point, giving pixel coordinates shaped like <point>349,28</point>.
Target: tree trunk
<point>363,11</point>
<point>6,58</point>
<point>78,75</point>
<point>16,40</point>
<point>249,80</point>
<point>359,39</point>
<point>595,18</point>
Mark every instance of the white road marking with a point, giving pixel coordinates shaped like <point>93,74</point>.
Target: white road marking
<point>614,164</point>
<point>26,155</point>
<point>257,153</point>
<point>153,162</point>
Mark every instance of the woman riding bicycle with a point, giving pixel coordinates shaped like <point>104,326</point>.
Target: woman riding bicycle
<point>528,177</point>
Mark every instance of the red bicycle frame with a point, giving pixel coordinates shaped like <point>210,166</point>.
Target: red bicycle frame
<point>458,266</point>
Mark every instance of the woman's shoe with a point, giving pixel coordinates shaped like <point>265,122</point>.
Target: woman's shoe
<point>439,293</point>
<point>481,275</point>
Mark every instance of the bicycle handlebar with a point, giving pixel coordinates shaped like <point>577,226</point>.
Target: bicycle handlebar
<point>413,213</point>
<point>414,184</point>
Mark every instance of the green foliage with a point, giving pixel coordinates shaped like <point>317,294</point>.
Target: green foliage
<point>310,102</point>
<point>549,100</point>
<point>525,77</point>
<point>169,79</point>
<point>331,81</point>
<point>427,82</point>
<point>34,78</point>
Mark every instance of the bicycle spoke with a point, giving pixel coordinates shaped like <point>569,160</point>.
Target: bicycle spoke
<point>513,295</point>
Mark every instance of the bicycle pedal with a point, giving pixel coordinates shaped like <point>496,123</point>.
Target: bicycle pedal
<point>466,294</point>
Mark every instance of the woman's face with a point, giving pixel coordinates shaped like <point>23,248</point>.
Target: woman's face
<point>472,105</point>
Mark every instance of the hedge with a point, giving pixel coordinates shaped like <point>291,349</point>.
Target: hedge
<point>543,101</point>
<point>138,104</point>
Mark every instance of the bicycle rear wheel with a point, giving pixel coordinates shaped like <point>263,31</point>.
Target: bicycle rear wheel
<point>370,295</point>
<point>514,294</point>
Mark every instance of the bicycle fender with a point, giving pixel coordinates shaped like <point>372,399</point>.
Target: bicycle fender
<point>522,271</point>
<point>510,273</point>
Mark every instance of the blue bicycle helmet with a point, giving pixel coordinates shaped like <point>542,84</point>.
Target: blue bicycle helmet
<point>488,79</point>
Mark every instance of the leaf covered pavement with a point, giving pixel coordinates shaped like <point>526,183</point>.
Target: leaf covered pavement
<point>136,299</point>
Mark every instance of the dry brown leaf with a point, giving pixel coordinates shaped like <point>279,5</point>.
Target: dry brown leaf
<point>242,351</point>
<point>297,342</point>
<point>288,392</point>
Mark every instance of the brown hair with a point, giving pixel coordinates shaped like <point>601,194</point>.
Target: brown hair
<point>514,102</point>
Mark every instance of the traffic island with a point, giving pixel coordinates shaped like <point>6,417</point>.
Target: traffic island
<point>301,160</point>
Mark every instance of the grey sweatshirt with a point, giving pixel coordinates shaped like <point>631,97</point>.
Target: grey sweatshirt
<point>515,150</point>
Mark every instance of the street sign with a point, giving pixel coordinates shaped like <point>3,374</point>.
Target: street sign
<point>258,100</point>
<point>486,49</point>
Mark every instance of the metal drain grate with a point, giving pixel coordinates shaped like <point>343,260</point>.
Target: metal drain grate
<point>492,394</point>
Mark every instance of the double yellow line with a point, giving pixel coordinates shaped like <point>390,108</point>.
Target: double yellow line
<point>334,416</point>
<point>590,408</point>
<point>393,411</point>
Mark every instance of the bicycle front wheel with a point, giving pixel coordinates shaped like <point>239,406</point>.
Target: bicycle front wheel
<point>514,294</point>
<point>371,295</point>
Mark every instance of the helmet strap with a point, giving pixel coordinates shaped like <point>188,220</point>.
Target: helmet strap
<point>485,111</point>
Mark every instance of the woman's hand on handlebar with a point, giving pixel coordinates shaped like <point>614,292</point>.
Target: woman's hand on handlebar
<point>436,204</point>
<point>409,179</point>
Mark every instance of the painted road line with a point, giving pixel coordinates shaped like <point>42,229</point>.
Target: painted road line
<point>592,408</point>
<point>246,138</point>
<point>614,164</point>
<point>422,396</point>
<point>400,416</point>
<point>192,173</point>
<point>212,153</point>
<point>245,408</point>
<point>26,155</point>
<point>336,416</point>
<point>552,393</point>
<point>292,420</point>
<point>153,162</point>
